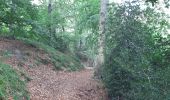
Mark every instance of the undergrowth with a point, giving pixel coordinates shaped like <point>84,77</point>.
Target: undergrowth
<point>59,59</point>
<point>11,87</point>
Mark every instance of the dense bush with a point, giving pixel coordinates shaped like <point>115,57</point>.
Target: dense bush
<point>130,82</point>
<point>136,64</point>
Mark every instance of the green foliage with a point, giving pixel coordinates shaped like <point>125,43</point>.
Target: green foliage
<point>167,3</point>
<point>152,1</point>
<point>86,27</point>
<point>11,85</point>
<point>22,19</point>
<point>135,66</point>
<point>17,17</point>
<point>58,37</point>
<point>136,54</point>
<point>87,18</point>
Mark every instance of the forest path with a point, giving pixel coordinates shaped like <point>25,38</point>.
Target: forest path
<point>51,85</point>
<point>46,83</point>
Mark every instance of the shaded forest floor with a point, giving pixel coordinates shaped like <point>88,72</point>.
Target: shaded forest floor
<point>45,83</point>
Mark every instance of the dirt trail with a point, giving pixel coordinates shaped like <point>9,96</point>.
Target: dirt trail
<point>51,85</point>
<point>47,84</point>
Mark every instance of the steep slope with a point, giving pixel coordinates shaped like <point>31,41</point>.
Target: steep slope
<point>45,83</point>
<point>32,52</point>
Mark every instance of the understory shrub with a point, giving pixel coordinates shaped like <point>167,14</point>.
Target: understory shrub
<point>136,59</point>
<point>125,82</point>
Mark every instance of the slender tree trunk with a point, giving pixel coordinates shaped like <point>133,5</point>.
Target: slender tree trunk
<point>11,29</point>
<point>101,39</point>
<point>63,28</point>
<point>50,17</point>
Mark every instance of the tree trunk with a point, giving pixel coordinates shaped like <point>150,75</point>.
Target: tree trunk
<point>50,17</point>
<point>11,28</point>
<point>101,38</point>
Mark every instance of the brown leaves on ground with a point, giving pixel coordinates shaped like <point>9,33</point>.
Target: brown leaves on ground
<point>51,85</point>
<point>47,84</point>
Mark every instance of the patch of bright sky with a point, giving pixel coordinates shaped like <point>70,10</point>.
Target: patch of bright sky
<point>37,2</point>
<point>116,1</point>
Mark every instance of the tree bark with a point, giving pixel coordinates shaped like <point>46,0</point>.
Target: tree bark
<point>11,24</point>
<point>50,17</point>
<point>101,38</point>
